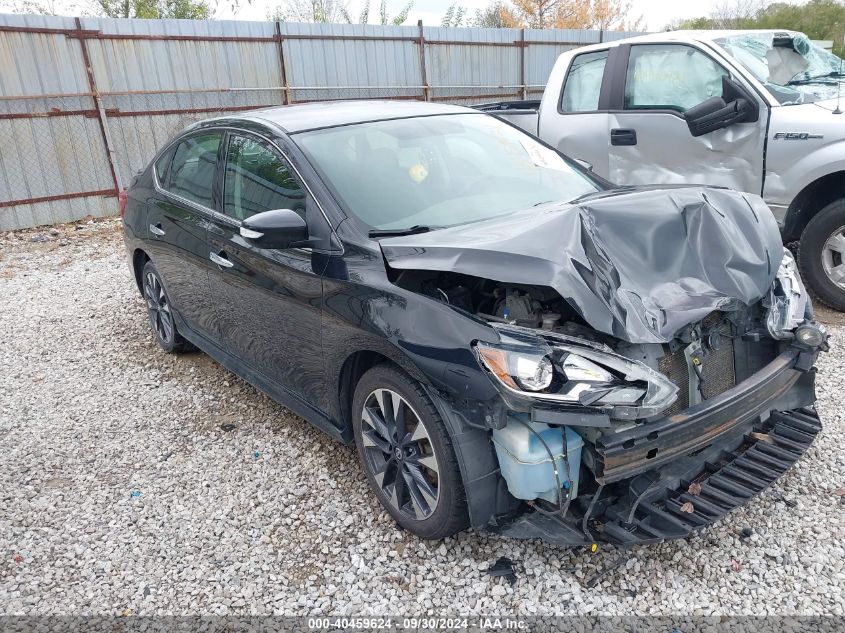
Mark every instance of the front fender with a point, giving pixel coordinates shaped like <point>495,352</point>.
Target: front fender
<point>783,188</point>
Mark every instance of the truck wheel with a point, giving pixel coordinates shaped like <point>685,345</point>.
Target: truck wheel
<point>821,254</point>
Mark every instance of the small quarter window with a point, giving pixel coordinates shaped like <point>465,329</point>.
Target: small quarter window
<point>192,171</point>
<point>257,180</point>
<point>583,83</point>
<point>162,167</point>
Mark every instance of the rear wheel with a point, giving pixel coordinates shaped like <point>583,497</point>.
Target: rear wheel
<point>407,454</point>
<point>160,312</point>
<point>821,254</point>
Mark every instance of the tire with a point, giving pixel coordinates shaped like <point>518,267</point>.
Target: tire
<point>429,499</point>
<point>823,267</point>
<point>158,309</point>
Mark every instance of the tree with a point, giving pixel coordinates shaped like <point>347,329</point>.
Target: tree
<point>497,15</point>
<point>613,15</point>
<point>384,17</point>
<point>736,14</point>
<point>538,14</point>
<point>321,11</point>
<point>41,7</point>
<point>154,9</point>
<point>454,15</point>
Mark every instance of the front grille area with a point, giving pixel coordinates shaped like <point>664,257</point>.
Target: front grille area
<point>718,372</point>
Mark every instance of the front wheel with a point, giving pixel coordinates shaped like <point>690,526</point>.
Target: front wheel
<point>407,454</point>
<point>821,254</point>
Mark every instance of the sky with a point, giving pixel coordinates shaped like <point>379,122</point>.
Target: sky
<point>656,14</point>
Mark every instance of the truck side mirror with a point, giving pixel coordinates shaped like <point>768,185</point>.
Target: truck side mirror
<point>736,105</point>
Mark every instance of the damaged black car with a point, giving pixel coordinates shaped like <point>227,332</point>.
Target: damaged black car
<point>511,342</point>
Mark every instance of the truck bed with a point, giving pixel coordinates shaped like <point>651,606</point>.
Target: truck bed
<point>523,114</point>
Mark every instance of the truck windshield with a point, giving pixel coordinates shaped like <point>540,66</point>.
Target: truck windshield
<point>793,68</point>
<point>439,171</point>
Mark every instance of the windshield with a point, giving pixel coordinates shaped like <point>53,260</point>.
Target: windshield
<point>439,171</point>
<point>793,68</point>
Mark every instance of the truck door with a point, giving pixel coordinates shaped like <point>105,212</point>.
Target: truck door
<point>573,119</point>
<point>650,141</point>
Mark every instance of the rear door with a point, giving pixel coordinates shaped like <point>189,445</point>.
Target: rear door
<point>574,117</point>
<point>650,142</point>
<point>178,217</point>
<point>268,300</point>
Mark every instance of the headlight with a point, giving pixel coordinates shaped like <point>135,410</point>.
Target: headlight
<point>517,370</point>
<point>565,370</point>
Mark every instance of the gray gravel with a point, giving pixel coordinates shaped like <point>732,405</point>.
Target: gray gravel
<point>136,482</point>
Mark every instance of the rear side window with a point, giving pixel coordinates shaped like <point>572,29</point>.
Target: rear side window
<point>257,180</point>
<point>582,87</point>
<point>192,170</point>
<point>670,77</point>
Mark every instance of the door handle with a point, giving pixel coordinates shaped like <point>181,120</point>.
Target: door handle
<point>623,137</point>
<point>156,229</point>
<point>220,260</point>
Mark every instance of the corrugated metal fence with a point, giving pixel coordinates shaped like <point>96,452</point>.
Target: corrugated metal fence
<point>85,102</point>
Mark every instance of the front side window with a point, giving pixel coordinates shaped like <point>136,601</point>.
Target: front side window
<point>192,170</point>
<point>792,68</point>
<point>439,171</point>
<point>583,83</point>
<point>258,180</point>
<point>670,77</point>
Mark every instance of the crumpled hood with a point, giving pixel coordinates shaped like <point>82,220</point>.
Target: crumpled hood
<point>637,263</point>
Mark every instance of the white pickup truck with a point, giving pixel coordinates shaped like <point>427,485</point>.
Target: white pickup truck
<point>756,111</point>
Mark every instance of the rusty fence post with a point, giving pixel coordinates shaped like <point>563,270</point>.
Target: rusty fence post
<point>522,47</point>
<point>287,99</point>
<point>423,73</point>
<point>98,104</point>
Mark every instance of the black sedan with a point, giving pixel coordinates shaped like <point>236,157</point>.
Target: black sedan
<point>511,342</point>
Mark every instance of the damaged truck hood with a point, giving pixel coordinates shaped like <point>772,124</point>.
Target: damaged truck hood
<point>637,263</point>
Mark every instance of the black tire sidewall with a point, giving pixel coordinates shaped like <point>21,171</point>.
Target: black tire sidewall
<point>450,515</point>
<point>818,230</point>
<point>174,344</point>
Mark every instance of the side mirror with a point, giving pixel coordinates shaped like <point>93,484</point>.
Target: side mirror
<point>736,105</point>
<point>279,228</point>
<point>585,164</point>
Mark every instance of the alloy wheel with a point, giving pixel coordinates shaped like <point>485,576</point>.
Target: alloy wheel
<point>158,307</point>
<point>833,257</point>
<point>399,454</point>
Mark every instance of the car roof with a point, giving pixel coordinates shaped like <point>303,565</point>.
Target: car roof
<point>310,116</point>
<point>682,36</point>
<point>703,35</point>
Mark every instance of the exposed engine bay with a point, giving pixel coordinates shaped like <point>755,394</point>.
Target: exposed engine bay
<point>701,361</point>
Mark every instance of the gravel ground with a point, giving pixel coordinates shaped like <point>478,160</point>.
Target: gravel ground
<point>133,482</point>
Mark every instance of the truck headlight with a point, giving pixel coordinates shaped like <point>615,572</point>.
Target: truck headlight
<point>557,369</point>
<point>787,300</point>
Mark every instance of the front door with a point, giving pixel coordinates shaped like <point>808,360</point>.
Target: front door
<point>268,300</point>
<point>178,217</point>
<point>650,142</point>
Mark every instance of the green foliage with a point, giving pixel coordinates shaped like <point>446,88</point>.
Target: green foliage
<point>154,9</point>
<point>454,15</point>
<point>384,17</point>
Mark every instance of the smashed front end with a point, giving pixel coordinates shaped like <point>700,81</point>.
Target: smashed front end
<point>675,435</point>
<point>689,393</point>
